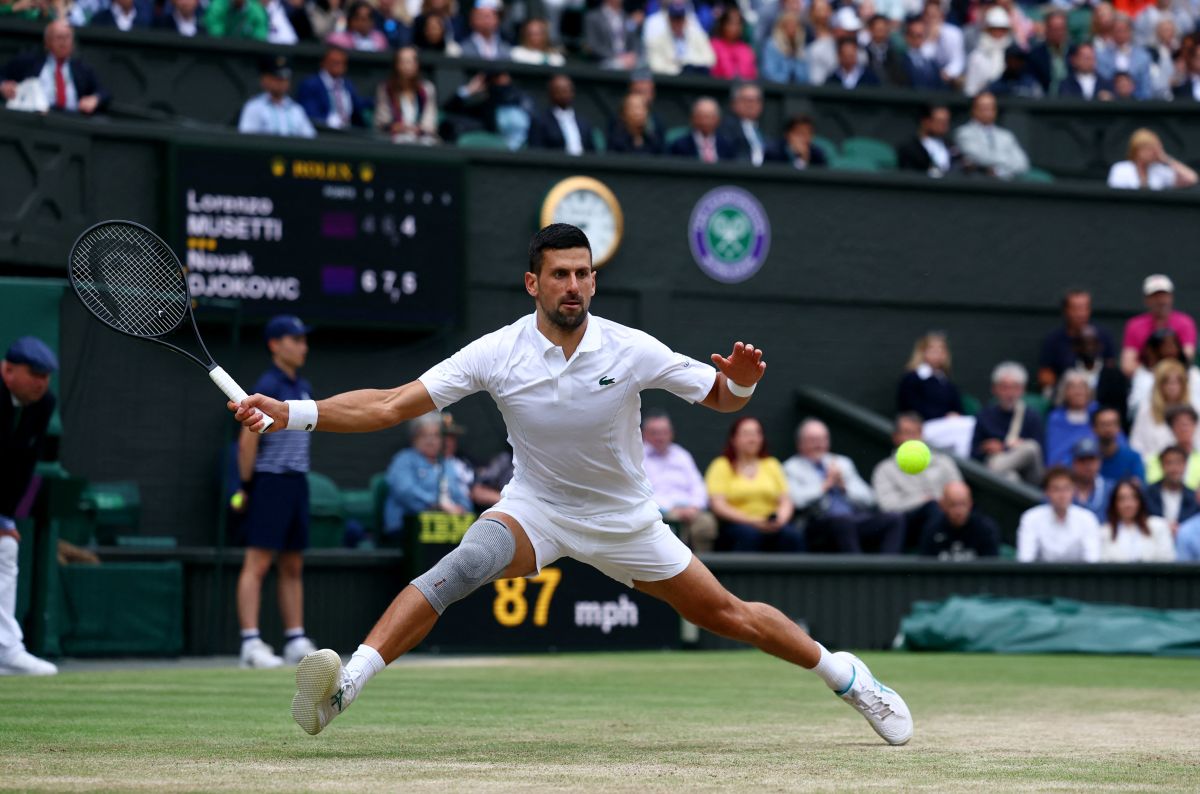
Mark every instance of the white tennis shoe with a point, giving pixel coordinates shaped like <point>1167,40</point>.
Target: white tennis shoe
<point>22,662</point>
<point>257,655</point>
<point>883,707</point>
<point>297,649</point>
<point>323,691</point>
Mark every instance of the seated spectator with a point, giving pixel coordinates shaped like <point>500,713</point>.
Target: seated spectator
<point>1123,87</point>
<point>851,71</point>
<point>559,127</point>
<point>38,10</point>
<point>1162,345</point>
<point>822,53</point>
<point>913,495</point>
<point>237,19</point>
<point>797,147</point>
<point>920,71</point>
<point>406,105</point>
<point>742,127</point>
<point>273,112</point>
<point>490,480</point>
<point>484,40</point>
<point>1120,54</point>
<point>733,57</point>
<point>682,47</point>
<point>326,17</point>
<point>705,143</point>
<point>641,83</point>
<point>1131,534</point>
<point>926,388</point>
<point>1187,541</point>
<point>1117,460</point>
<point>1091,489</point>
<point>1151,434</point>
<point>1159,292</point>
<point>1071,420</point>
<point>958,531</point>
<point>419,479</point>
<point>1182,420</point>
<point>1016,79</point>
<point>1149,166</point>
<point>986,62</point>
<point>838,505</point>
<point>1051,59</point>
<point>987,148</point>
<point>610,35</point>
<point>328,97</point>
<point>360,34</point>
<point>62,81</point>
<point>392,19</point>
<point>458,468</point>
<point>931,151</point>
<point>883,58</point>
<point>783,56</point>
<point>491,102</point>
<point>631,133</point>
<point>280,29</point>
<point>1168,495</point>
<point>1058,531</point>
<point>1083,82</point>
<point>124,15</point>
<point>1109,384</point>
<point>1059,348</point>
<point>1189,89</point>
<point>748,492</point>
<point>430,35</point>
<point>1164,43</point>
<point>535,45</point>
<point>183,19</point>
<point>678,487</point>
<point>944,44</point>
<point>1008,436</point>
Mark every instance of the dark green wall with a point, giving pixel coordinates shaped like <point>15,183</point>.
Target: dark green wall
<point>859,266</point>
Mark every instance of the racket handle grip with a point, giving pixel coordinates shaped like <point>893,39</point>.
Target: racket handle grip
<point>234,392</point>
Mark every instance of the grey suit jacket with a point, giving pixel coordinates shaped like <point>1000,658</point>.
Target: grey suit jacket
<point>996,148</point>
<point>805,484</point>
<point>469,50</point>
<point>597,36</point>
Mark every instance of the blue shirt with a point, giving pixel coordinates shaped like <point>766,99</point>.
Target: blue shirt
<point>1124,463</point>
<point>1098,504</point>
<point>416,485</point>
<point>1187,542</point>
<point>285,452</point>
<point>1061,435</point>
<point>261,116</point>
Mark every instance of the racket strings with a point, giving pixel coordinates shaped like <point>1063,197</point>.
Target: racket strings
<point>130,279</point>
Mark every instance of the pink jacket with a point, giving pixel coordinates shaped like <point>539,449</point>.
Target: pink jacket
<point>734,61</point>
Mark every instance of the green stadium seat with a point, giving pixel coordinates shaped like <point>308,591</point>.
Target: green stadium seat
<point>1036,402</point>
<point>327,518</point>
<point>482,140</point>
<point>1079,25</point>
<point>675,133</point>
<point>848,163</point>
<point>115,506</point>
<point>971,404</point>
<point>873,149</point>
<point>598,140</point>
<point>1036,175</point>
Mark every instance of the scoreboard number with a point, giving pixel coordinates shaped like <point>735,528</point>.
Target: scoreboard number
<point>511,607</point>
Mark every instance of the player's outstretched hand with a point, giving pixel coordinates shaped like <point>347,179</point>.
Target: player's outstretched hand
<point>744,366</point>
<point>249,413</point>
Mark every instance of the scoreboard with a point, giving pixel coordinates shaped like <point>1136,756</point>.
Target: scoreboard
<point>332,239</point>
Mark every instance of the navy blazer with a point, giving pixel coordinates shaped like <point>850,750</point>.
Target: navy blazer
<point>926,75</point>
<point>867,78</point>
<point>1070,86</point>
<point>20,441</point>
<point>544,132</point>
<point>686,147</point>
<point>318,103</point>
<point>30,65</point>
<point>106,18</point>
<point>1154,502</point>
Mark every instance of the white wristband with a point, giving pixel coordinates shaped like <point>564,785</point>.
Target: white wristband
<point>302,415</point>
<point>738,390</point>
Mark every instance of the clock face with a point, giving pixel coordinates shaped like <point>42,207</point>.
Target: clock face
<point>590,212</point>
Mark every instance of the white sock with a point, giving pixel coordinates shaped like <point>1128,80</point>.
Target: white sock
<point>249,634</point>
<point>293,634</point>
<point>836,673</point>
<point>363,666</point>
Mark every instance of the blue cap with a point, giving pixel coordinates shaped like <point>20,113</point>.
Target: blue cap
<point>1085,448</point>
<point>285,325</point>
<point>33,352</point>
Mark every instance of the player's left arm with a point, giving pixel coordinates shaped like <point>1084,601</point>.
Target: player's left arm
<point>744,367</point>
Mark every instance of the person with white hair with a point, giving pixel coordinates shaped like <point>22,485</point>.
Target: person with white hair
<point>986,62</point>
<point>1008,434</point>
<point>419,478</point>
<point>1072,419</point>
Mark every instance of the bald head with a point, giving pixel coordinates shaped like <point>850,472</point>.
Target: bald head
<point>812,439</point>
<point>706,116</point>
<point>956,503</point>
<point>60,39</point>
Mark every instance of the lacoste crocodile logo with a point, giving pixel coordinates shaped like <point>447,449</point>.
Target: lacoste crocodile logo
<point>607,381</point>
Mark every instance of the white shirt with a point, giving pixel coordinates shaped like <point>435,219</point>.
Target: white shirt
<point>755,140</point>
<point>122,18</point>
<point>572,140</point>
<point>185,27</point>
<point>1131,545</point>
<point>1172,501</point>
<point>262,116</point>
<point>279,27</point>
<point>335,120</point>
<point>574,425</point>
<point>1041,537</point>
<point>46,77</point>
<point>1087,84</point>
<point>940,155</point>
<point>1124,174</point>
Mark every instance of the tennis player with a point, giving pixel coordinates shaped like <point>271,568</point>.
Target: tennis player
<point>568,385</point>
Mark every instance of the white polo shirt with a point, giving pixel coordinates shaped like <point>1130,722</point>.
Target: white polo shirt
<point>574,425</point>
<point>1041,537</point>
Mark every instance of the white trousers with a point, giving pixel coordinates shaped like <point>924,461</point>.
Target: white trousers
<point>11,638</point>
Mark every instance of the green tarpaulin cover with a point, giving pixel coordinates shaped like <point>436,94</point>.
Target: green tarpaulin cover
<point>983,624</point>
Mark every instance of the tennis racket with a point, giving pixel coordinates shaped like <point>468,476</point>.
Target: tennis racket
<point>127,277</point>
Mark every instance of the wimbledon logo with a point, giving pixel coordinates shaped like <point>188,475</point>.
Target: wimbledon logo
<point>729,234</point>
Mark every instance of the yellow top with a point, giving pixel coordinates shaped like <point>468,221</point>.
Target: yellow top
<point>1191,475</point>
<point>757,497</point>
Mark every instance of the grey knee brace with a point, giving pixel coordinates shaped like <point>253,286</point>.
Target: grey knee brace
<point>485,551</point>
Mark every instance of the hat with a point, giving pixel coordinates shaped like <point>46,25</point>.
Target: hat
<point>677,9</point>
<point>285,325</point>
<point>996,17</point>
<point>34,353</point>
<point>494,5</point>
<point>1085,448</point>
<point>276,66</point>
<point>1157,283</point>
<point>449,427</point>
<point>846,18</point>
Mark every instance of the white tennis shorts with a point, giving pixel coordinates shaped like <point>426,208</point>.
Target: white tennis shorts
<point>650,553</point>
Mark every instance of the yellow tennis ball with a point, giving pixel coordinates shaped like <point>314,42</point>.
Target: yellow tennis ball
<point>912,457</point>
<point>237,501</point>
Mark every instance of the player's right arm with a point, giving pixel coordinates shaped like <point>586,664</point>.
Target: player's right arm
<point>359,411</point>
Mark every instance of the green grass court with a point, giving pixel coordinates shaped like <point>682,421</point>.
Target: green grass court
<point>732,721</point>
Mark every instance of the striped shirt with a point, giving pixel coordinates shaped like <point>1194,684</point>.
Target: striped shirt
<point>283,453</point>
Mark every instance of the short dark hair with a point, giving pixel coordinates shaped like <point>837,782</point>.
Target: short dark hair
<point>555,237</point>
<point>842,42</point>
<point>1174,449</point>
<point>1056,473</point>
<point>876,18</point>
<point>331,48</point>
<point>1071,292</point>
<point>928,110</point>
<point>1176,411</point>
<point>654,413</point>
<point>799,120</point>
<point>909,416</point>
<point>1103,409</point>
